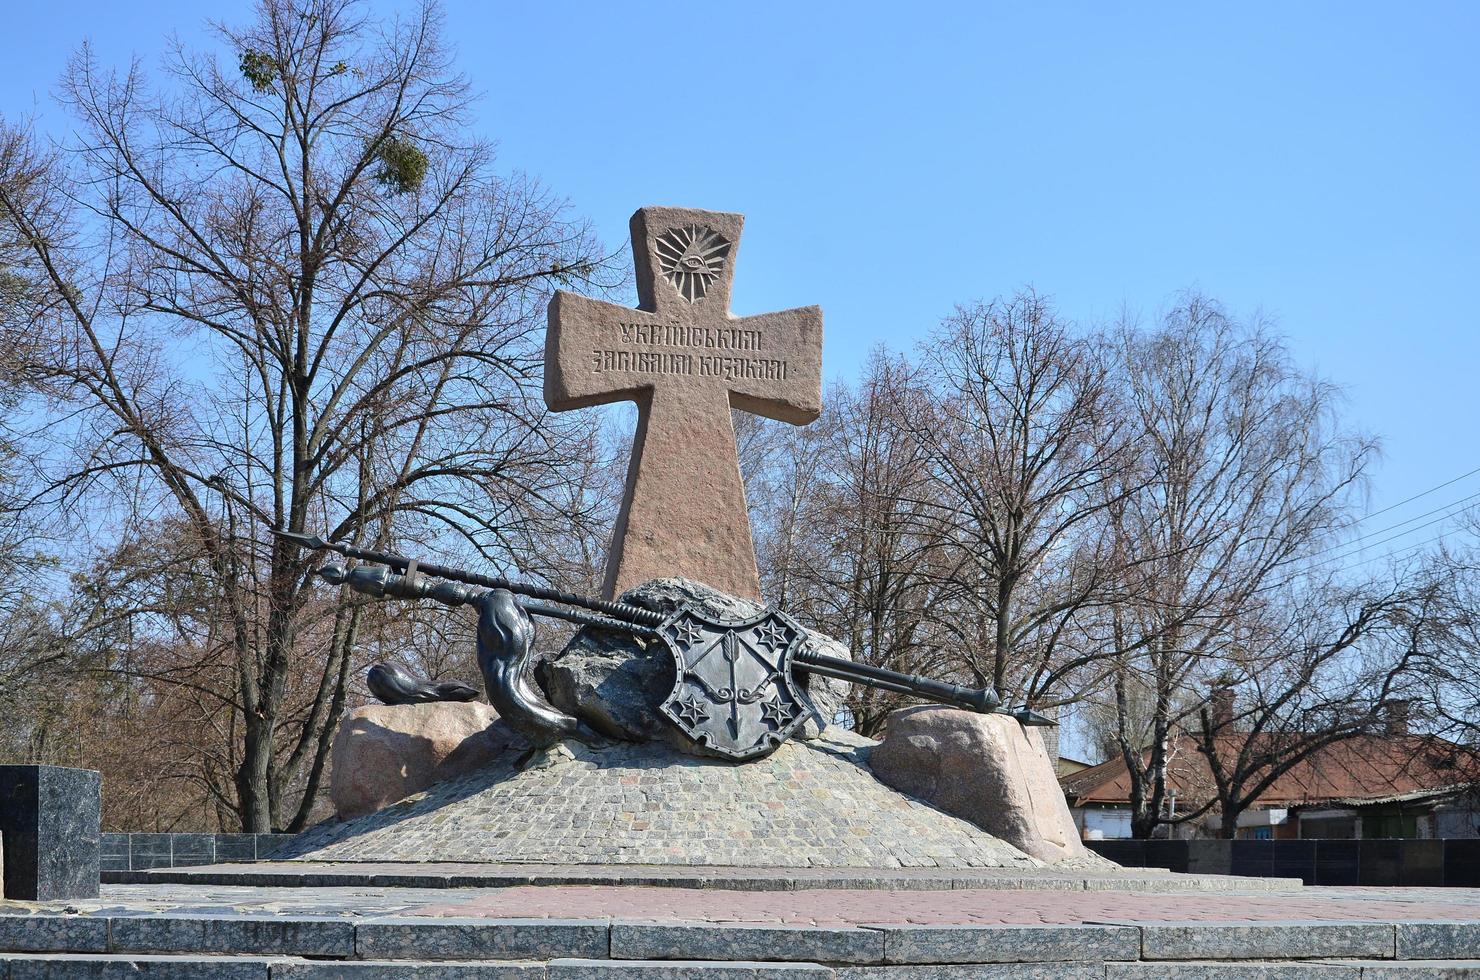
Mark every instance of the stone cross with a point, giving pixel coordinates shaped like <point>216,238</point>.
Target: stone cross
<point>686,362</point>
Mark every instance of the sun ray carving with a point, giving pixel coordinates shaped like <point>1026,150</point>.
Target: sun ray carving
<point>691,258</point>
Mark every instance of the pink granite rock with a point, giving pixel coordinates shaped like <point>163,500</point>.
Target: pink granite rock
<point>384,753</point>
<point>988,769</point>
<point>687,363</point>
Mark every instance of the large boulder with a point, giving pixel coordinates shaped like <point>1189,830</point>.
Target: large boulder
<point>989,769</point>
<point>383,753</point>
<point>615,681</point>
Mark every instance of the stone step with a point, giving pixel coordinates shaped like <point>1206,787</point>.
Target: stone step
<point>146,966</point>
<point>440,875</point>
<point>107,966</point>
<point>1273,970</point>
<point>347,943</point>
<point>139,966</point>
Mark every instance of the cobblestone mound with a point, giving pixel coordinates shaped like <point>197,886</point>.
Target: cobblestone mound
<point>811,804</point>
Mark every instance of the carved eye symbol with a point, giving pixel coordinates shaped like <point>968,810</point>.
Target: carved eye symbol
<point>691,258</point>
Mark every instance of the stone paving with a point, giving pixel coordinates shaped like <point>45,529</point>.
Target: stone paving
<point>811,804</point>
<point>373,874</point>
<point>802,907</point>
<point>566,933</point>
<point>963,907</point>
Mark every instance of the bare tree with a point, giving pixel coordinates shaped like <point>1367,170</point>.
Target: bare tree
<point>1450,683</point>
<point>836,507</point>
<point>1022,439</point>
<point>32,639</point>
<point>288,292</point>
<point>1321,670</point>
<point>877,581</point>
<point>1241,470</point>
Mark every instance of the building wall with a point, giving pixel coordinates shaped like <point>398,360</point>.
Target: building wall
<point>1450,821</point>
<point>1457,820</point>
<point>1112,823</point>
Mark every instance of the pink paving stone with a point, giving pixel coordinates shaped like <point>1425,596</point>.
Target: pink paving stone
<point>961,906</point>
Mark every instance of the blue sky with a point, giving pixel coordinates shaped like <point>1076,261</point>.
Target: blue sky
<point>1319,162</point>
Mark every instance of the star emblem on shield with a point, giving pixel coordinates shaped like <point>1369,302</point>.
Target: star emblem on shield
<point>690,710</point>
<point>776,713</point>
<point>686,631</point>
<point>773,634</point>
<point>733,691</point>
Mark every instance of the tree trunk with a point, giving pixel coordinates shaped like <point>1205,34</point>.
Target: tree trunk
<point>1004,633</point>
<point>253,776</point>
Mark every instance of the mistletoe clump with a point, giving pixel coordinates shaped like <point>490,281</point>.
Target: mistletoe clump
<point>259,68</point>
<point>403,166</point>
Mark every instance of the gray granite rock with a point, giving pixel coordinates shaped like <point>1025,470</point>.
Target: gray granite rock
<point>278,934</point>
<point>1236,971</point>
<point>612,681</point>
<point>61,933</point>
<point>975,971</point>
<point>1009,944</point>
<point>406,970</point>
<point>615,681</point>
<point>595,969</point>
<point>1418,969</point>
<point>50,821</point>
<point>828,694</point>
<point>296,936</point>
<point>1438,940</point>
<point>81,966</point>
<point>1265,940</point>
<point>159,934</point>
<point>742,941</point>
<point>475,939</point>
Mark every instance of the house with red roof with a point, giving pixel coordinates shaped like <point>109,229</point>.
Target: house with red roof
<point>1389,785</point>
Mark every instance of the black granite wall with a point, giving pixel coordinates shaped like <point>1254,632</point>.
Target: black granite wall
<point>141,852</point>
<point>1453,862</point>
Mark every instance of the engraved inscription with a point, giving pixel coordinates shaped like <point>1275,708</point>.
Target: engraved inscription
<point>701,365</point>
<point>680,348</point>
<point>691,258</point>
<point>681,335</point>
<point>642,362</point>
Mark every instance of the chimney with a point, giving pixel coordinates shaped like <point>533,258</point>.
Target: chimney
<point>1220,706</point>
<point>1395,718</point>
<point>1050,735</point>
